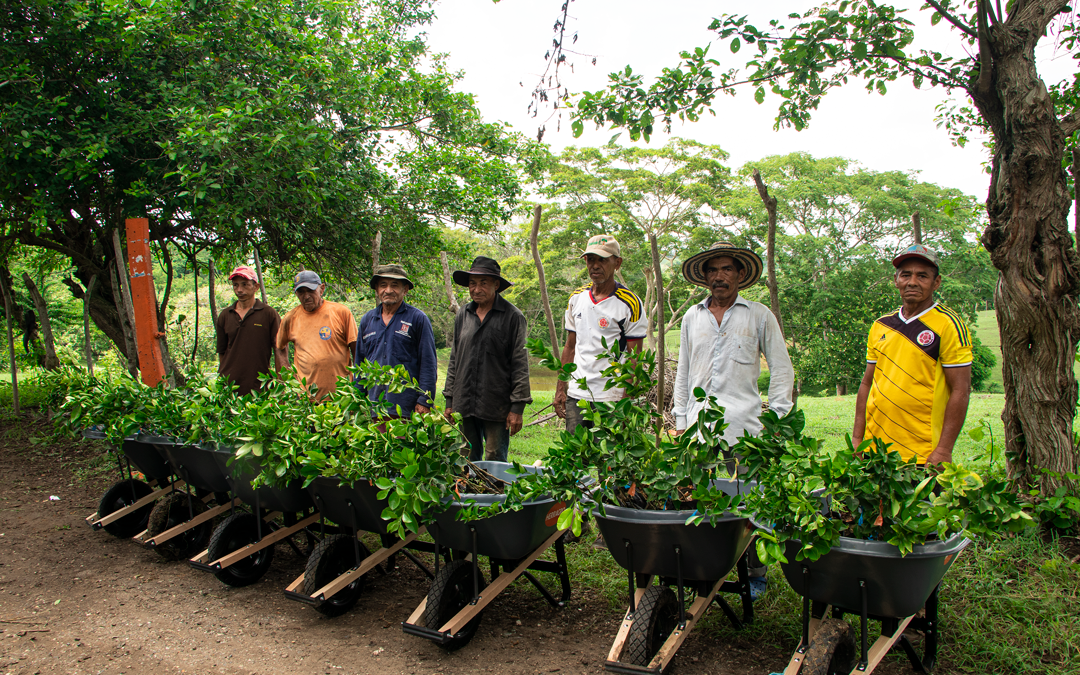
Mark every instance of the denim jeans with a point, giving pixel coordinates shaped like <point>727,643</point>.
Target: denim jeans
<point>487,440</point>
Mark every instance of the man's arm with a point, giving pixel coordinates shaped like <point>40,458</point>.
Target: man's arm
<point>281,347</point>
<point>781,372</point>
<point>959,381</point>
<point>561,388</point>
<point>429,369</point>
<point>681,395</point>
<point>859,429</point>
<point>520,392</point>
<point>451,367</point>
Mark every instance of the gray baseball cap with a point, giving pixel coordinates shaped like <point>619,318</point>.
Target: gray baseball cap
<point>306,279</point>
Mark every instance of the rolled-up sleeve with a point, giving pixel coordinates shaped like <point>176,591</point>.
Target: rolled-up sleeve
<point>781,372</point>
<point>682,378</point>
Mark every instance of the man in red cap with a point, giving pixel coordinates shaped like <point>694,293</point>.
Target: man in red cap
<point>247,334</point>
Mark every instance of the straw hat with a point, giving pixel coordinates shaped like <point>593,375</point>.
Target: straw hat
<point>694,267</point>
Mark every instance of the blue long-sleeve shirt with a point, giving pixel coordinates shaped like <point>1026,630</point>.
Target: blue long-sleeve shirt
<point>407,340</point>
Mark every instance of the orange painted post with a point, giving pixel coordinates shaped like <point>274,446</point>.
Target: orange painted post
<point>144,301</point>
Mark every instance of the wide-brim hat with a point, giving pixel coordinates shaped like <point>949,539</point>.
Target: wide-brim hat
<point>482,266</point>
<point>390,272</point>
<point>694,267</point>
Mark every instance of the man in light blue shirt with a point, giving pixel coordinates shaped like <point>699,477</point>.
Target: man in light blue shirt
<point>723,338</point>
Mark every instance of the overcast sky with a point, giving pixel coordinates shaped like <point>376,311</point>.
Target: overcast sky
<point>500,48</point>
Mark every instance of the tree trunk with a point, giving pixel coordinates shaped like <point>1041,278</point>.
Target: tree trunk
<point>9,307</point>
<point>376,248</point>
<point>258,270</point>
<point>647,307</point>
<point>770,249</point>
<point>916,227</point>
<point>553,334</point>
<point>450,295</point>
<point>1030,243</point>
<point>86,323</point>
<point>52,361</point>
<point>658,273</point>
<point>1075,170</point>
<point>195,271</point>
<point>213,293</point>
<point>129,340</point>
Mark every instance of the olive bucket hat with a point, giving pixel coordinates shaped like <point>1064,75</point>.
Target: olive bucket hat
<point>390,272</point>
<point>694,267</point>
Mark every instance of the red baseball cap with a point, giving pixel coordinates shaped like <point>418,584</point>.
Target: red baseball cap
<point>244,272</point>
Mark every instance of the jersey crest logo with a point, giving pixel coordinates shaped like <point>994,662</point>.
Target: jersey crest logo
<point>324,332</point>
<point>603,322</point>
<point>926,338</point>
<point>404,330</point>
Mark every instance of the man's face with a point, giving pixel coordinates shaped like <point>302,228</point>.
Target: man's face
<point>482,288</point>
<point>916,280</point>
<point>244,289</point>
<point>723,277</point>
<point>310,299</point>
<point>390,291</point>
<point>601,270</point>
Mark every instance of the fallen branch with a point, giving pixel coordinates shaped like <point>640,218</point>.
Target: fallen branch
<point>543,419</point>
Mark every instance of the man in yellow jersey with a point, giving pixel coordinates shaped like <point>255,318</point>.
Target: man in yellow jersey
<point>915,391</point>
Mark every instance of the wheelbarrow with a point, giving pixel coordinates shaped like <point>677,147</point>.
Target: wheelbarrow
<point>871,580</point>
<point>513,541</point>
<point>180,524</point>
<point>241,547</point>
<point>124,510</point>
<point>694,558</point>
<point>334,577</point>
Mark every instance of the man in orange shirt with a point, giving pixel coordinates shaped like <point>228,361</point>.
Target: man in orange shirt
<point>323,334</point>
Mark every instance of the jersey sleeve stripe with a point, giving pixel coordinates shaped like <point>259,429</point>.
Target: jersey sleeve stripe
<point>961,327</point>
<point>631,300</point>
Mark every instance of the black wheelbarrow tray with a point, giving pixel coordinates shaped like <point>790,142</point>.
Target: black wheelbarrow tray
<point>180,525</point>
<point>513,541</point>
<point>660,544</point>
<point>124,510</point>
<point>241,547</point>
<point>873,581</point>
<point>334,576</point>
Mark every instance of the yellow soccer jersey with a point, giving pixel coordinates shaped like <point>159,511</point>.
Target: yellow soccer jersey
<point>906,406</point>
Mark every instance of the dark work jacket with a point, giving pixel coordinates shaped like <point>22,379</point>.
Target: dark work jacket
<point>488,374</point>
<point>406,341</point>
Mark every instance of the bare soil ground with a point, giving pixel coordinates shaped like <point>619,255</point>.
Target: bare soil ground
<point>74,600</point>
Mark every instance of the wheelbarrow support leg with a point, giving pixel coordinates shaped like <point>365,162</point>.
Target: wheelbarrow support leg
<point>930,652</point>
<point>805,644</point>
<point>864,632</point>
<point>682,591</point>
<point>630,573</point>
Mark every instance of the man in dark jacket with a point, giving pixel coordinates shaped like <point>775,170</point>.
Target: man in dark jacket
<point>396,333</point>
<point>487,380</point>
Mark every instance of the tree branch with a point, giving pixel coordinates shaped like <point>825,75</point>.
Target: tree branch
<point>985,57</point>
<point>952,19</point>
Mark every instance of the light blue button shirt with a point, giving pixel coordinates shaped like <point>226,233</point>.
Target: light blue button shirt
<point>725,361</point>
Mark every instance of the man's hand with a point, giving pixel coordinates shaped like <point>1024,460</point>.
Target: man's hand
<point>513,423</point>
<point>679,432</point>
<point>939,455</point>
<point>559,403</point>
<point>421,409</point>
<point>449,415</point>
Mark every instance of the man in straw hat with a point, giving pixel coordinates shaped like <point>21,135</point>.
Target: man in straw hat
<point>487,379</point>
<point>322,332</point>
<point>603,309</point>
<point>247,334</point>
<point>723,338</point>
<point>396,333</point>
<point>915,391</point>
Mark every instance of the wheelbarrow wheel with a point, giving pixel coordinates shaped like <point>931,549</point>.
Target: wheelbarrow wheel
<point>173,510</point>
<point>334,556</point>
<point>655,617</point>
<point>450,592</point>
<point>832,650</point>
<point>233,534</point>
<point>119,496</point>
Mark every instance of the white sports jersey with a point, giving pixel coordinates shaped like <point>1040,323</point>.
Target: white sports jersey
<point>618,318</point>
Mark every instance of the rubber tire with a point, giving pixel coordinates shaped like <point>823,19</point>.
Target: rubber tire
<point>172,511</point>
<point>233,534</point>
<point>333,557</point>
<point>657,614</point>
<point>120,496</point>
<point>832,650</point>
<point>452,590</point>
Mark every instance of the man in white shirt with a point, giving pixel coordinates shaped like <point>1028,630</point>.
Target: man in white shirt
<point>723,338</point>
<point>601,309</point>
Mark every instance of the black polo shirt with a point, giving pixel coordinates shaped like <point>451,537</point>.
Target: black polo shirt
<point>245,346</point>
